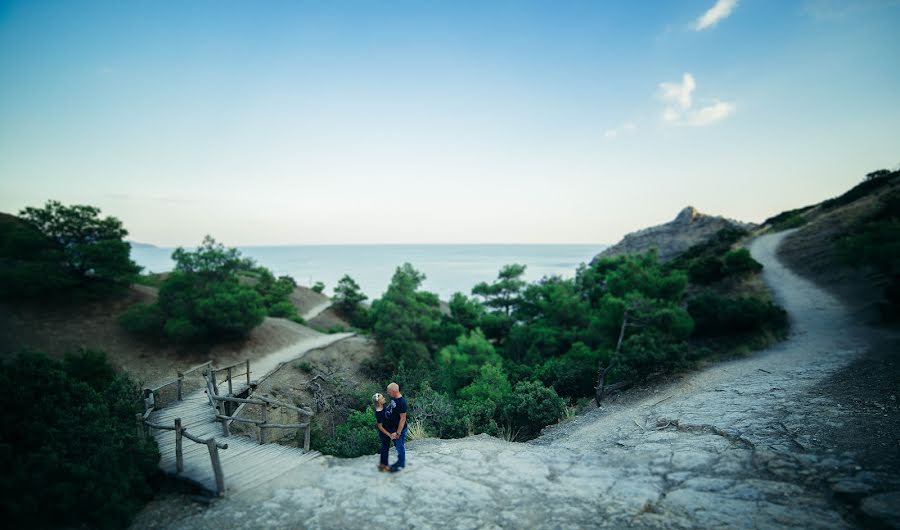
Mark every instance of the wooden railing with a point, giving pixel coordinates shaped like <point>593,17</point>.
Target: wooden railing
<point>227,416</point>
<point>180,433</point>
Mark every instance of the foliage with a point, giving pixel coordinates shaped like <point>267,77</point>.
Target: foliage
<point>435,411</point>
<point>873,182</point>
<point>275,293</point>
<point>739,261</point>
<point>31,264</point>
<point>460,363</point>
<point>355,437</point>
<point>58,247</point>
<point>875,243</point>
<point>73,456</point>
<point>318,287</point>
<point>204,299</point>
<point>530,407</point>
<point>503,293</point>
<point>348,298</point>
<point>405,320</point>
<point>573,374</point>
<point>718,315</point>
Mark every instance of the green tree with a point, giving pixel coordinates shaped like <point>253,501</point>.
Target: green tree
<point>503,294</point>
<point>73,458</point>
<point>211,260</point>
<point>204,299</point>
<point>406,320</point>
<point>31,264</point>
<point>461,363</point>
<point>93,247</point>
<point>348,298</point>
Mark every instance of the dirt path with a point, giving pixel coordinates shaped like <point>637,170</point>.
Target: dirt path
<point>316,310</point>
<point>742,444</point>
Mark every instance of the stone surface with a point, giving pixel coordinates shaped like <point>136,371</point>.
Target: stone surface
<point>737,445</point>
<point>689,228</point>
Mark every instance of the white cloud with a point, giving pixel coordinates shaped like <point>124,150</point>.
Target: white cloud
<point>710,113</point>
<point>678,93</point>
<point>713,15</point>
<point>680,109</point>
<point>627,128</point>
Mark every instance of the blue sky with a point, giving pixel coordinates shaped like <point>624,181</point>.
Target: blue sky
<point>441,122</point>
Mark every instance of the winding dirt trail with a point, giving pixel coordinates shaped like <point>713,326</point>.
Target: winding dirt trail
<point>736,445</point>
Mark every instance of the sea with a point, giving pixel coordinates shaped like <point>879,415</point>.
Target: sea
<point>447,268</point>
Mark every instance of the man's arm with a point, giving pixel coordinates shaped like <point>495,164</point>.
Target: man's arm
<point>402,423</point>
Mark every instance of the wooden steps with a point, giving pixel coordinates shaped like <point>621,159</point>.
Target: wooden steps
<point>246,463</point>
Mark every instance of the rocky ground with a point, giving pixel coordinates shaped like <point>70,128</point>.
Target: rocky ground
<point>775,440</point>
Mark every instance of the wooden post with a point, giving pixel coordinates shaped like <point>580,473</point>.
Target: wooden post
<point>212,378</point>
<point>225,430</point>
<point>306,434</point>
<point>262,426</point>
<point>180,379</point>
<point>179,456</point>
<point>216,465</point>
<point>140,425</point>
<point>248,373</point>
<point>230,390</point>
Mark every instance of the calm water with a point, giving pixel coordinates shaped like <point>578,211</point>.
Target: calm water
<point>448,268</point>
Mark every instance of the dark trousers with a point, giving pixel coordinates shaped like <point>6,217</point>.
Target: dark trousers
<point>385,448</point>
<point>400,444</point>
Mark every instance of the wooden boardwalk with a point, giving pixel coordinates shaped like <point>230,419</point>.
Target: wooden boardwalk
<point>245,463</point>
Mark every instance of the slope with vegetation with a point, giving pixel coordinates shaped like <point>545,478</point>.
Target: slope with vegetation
<point>517,356</point>
<point>849,245</point>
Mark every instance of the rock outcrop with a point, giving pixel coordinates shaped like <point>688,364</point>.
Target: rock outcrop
<point>689,228</point>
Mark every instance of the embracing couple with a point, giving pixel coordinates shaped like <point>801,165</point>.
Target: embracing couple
<point>392,425</point>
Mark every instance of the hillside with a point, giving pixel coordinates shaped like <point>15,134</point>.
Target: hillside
<point>690,227</point>
<point>813,250</point>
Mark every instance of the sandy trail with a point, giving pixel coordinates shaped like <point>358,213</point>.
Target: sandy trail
<point>316,310</point>
<point>734,445</point>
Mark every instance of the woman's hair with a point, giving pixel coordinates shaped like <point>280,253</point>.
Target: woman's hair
<point>377,397</point>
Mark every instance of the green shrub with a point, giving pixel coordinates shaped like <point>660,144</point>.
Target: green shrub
<point>718,315</point>
<point>146,320</point>
<point>72,455</point>
<point>706,270</point>
<point>205,300</point>
<point>575,373</point>
<point>283,309</point>
<point>530,407</point>
<point>739,261</point>
<point>318,287</point>
<point>355,437</point>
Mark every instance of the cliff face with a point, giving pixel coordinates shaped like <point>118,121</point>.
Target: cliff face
<point>689,228</point>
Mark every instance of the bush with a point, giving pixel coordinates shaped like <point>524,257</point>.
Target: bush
<point>146,320</point>
<point>68,438</point>
<point>204,299</point>
<point>318,287</point>
<point>575,373</point>
<point>706,270</point>
<point>283,309</point>
<point>717,315</point>
<point>530,407</point>
<point>739,261</point>
<point>355,437</point>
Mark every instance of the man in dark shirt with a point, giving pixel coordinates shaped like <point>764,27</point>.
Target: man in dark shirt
<point>396,414</point>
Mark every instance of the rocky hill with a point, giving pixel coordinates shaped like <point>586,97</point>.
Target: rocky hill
<point>690,227</point>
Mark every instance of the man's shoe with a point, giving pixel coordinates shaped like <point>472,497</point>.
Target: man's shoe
<point>384,468</point>
<point>395,469</point>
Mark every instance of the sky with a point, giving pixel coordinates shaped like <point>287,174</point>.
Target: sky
<point>398,121</point>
